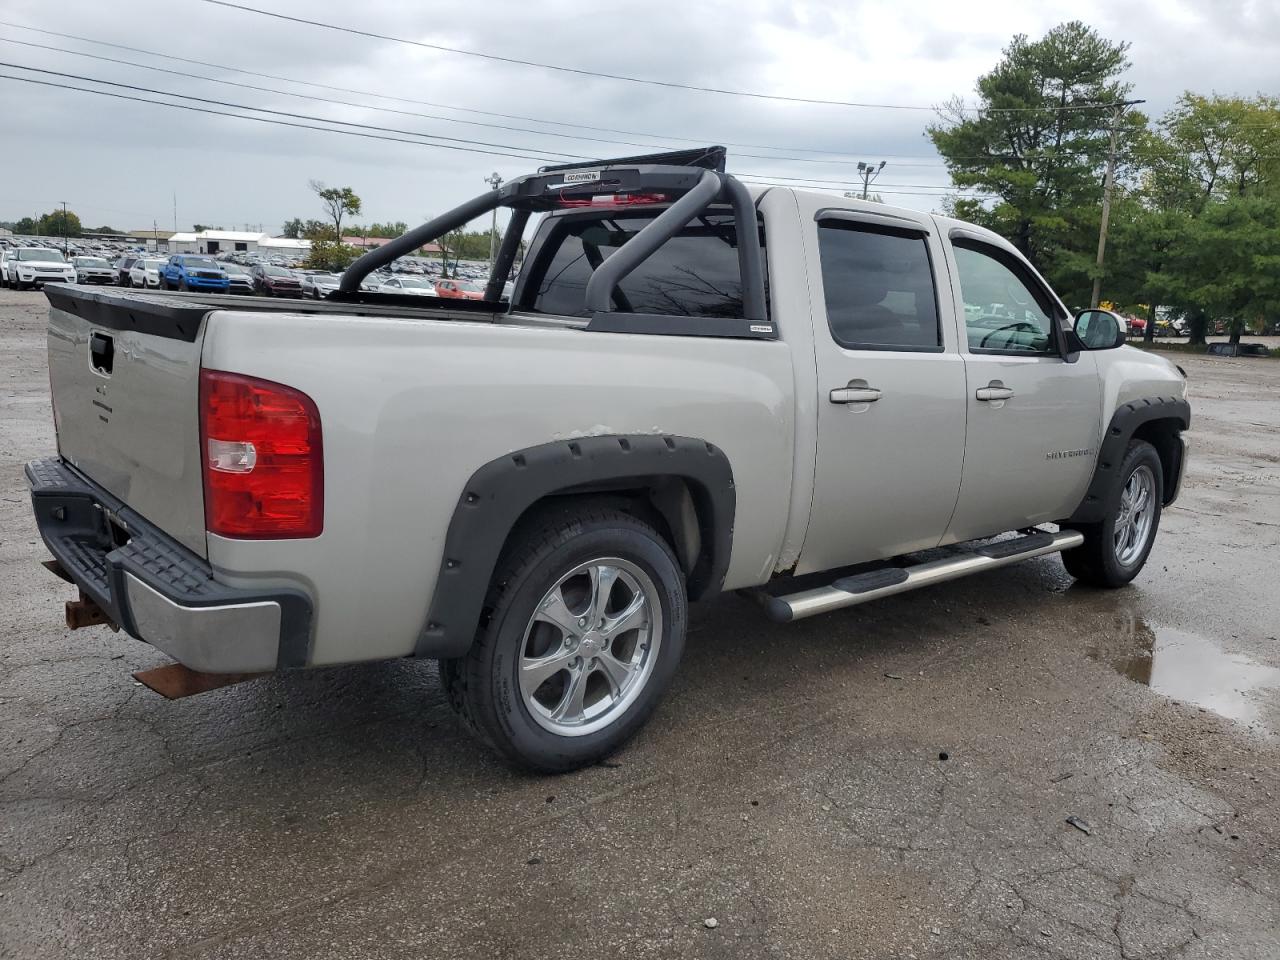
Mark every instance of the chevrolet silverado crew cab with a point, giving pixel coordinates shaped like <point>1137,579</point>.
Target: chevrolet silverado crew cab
<point>694,387</point>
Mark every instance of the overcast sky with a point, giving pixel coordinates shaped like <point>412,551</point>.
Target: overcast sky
<point>120,163</point>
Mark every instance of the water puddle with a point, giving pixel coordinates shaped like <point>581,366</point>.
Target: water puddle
<point>1188,667</point>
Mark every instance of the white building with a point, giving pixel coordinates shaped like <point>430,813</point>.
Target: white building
<point>235,241</point>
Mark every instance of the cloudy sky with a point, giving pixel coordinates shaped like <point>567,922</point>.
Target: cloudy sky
<point>121,163</point>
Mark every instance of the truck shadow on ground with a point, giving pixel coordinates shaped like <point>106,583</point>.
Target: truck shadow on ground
<point>385,728</point>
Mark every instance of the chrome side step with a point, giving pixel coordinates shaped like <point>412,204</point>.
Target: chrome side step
<point>850,591</point>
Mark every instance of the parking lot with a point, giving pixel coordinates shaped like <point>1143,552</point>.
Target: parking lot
<point>891,781</point>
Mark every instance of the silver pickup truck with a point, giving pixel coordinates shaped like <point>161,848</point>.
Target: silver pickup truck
<point>695,387</point>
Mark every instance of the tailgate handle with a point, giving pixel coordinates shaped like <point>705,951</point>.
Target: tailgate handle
<point>102,352</point>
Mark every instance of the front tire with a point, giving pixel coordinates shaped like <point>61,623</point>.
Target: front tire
<point>584,631</point>
<point>1116,548</point>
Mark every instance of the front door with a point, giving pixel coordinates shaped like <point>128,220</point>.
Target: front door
<point>891,384</point>
<point>1034,418</point>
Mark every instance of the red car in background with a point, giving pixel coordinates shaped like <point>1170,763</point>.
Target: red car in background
<point>1137,326</point>
<point>460,289</point>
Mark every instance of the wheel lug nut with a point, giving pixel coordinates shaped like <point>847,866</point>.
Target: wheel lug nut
<point>582,621</point>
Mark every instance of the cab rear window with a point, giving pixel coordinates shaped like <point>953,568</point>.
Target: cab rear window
<point>694,274</point>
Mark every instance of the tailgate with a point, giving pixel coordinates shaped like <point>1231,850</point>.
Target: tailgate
<point>124,370</point>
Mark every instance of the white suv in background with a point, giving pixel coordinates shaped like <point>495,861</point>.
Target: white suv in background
<point>31,266</point>
<point>146,273</point>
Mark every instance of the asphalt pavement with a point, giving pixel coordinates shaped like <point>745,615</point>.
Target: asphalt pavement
<point>1005,766</point>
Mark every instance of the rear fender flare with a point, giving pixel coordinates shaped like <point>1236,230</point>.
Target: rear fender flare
<point>499,493</point>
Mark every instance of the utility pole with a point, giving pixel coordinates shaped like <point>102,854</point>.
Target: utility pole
<point>869,172</point>
<point>64,228</point>
<point>1108,183</point>
<point>494,180</point>
<point>175,211</point>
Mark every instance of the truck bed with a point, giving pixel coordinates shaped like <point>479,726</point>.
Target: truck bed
<point>169,312</point>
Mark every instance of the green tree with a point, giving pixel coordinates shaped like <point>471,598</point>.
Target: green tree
<point>292,228</point>
<point>200,227</point>
<point>338,202</point>
<point>105,230</point>
<point>318,230</point>
<point>59,224</point>
<point>27,226</point>
<point>1204,155</point>
<point>1037,143</point>
<point>330,255</point>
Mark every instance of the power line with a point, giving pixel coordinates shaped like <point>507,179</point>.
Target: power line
<point>281,123</point>
<point>928,191</point>
<point>900,159</point>
<point>299,116</point>
<point>671,84</point>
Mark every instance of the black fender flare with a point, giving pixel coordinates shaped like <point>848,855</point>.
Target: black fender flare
<point>499,493</point>
<point>1124,424</point>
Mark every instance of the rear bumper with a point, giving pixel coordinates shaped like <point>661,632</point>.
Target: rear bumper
<point>157,589</point>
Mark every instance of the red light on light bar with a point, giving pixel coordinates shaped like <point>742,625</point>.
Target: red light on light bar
<point>615,200</point>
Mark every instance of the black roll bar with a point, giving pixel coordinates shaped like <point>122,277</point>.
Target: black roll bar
<point>459,216</point>
<point>698,178</point>
<point>648,239</point>
<point>506,254</point>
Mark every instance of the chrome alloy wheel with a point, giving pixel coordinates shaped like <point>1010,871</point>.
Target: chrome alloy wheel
<point>1137,516</point>
<point>590,646</point>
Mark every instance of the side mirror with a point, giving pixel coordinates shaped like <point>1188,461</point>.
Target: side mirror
<point>1100,329</point>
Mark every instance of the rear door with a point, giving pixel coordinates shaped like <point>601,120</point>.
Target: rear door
<point>1034,417</point>
<point>891,386</point>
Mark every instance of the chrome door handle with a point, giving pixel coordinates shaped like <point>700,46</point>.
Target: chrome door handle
<point>856,392</point>
<point>995,390</point>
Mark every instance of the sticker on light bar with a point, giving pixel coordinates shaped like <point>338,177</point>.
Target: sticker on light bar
<point>571,179</point>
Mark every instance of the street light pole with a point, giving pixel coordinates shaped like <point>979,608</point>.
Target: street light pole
<point>64,228</point>
<point>495,181</point>
<point>1108,183</point>
<point>869,172</point>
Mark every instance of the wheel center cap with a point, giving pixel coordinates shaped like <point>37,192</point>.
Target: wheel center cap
<point>592,643</point>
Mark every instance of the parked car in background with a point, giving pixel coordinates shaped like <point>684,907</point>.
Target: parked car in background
<point>318,285</point>
<point>33,266</point>
<point>1238,350</point>
<point>1137,326</point>
<point>409,287</point>
<point>122,268</point>
<point>460,289</point>
<point>145,272</point>
<point>239,279</point>
<point>93,270</point>
<point>185,271</point>
<point>272,281</point>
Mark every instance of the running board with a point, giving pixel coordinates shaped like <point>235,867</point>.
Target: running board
<point>851,591</point>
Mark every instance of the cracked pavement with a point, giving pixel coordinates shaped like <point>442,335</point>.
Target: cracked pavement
<point>790,786</point>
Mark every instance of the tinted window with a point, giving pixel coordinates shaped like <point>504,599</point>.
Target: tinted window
<point>694,274</point>
<point>1004,310</point>
<point>878,285</point>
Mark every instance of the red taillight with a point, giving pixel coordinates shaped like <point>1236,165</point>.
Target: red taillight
<point>614,200</point>
<point>263,462</point>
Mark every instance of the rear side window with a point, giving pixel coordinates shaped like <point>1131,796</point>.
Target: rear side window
<point>694,274</point>
<point>878,286</point>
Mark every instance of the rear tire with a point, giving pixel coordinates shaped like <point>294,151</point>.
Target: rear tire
<point>563,672</point>
<point>1116,548</point>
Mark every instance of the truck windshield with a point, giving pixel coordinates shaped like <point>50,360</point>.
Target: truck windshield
<point>694,274</point>
<point>203,263</point>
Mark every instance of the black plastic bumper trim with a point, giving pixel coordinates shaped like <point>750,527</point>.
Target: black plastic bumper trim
<point>97,539</point>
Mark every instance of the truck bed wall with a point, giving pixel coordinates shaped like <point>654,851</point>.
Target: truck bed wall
<point>411,408</point>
